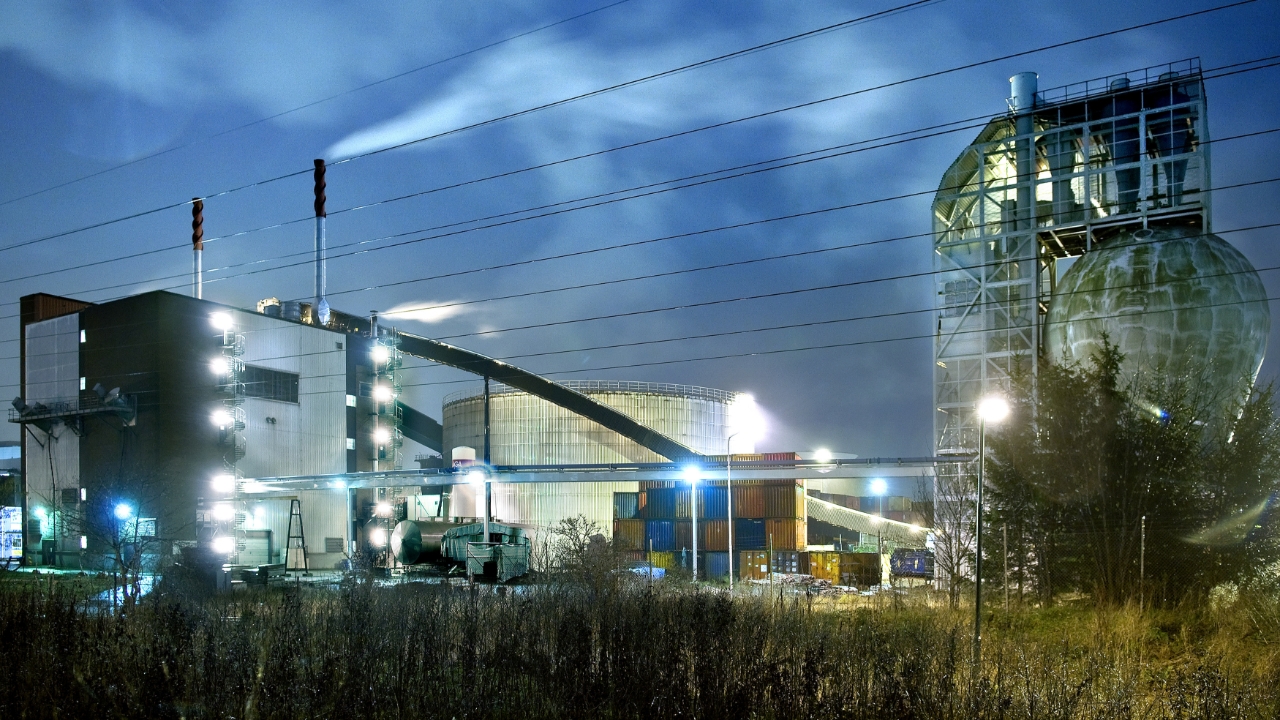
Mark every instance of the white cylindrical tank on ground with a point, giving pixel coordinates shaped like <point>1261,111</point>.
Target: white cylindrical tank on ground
<point>527,430</point>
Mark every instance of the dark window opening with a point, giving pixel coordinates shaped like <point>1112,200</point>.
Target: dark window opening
<point>268,384</point>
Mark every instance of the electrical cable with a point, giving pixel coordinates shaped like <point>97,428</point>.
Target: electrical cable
<point>636,81</point>
<point>312,103</point>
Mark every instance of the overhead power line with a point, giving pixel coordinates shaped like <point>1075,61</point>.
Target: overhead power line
<point>685,68</point>
<point>311,104</point>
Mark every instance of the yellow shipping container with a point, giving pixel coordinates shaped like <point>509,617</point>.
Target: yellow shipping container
<point>825,566</point>
<point>664,560</point>
<point>753,565</point>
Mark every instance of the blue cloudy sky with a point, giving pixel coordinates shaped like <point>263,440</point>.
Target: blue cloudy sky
<point>89,86</point>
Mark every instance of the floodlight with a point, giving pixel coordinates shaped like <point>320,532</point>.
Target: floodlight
<point>476,477</point>
<point>382,509</point>
<point>822,455</point>
<point>692,474</point>
<point>380,354</point>
<point>222,418</point>
<point>223,512</point>
<point>879,486</point>
<point>41,513</point>
<point>381,393</point>
<point>378,537</point>
<point>993,409</point>
<point>382,435</point>
<point>123,511</point>
<point>224,545</point>
<point>745,420</point>
<point>224,483</point>
<point>220,366</point>
<point>221,321</point>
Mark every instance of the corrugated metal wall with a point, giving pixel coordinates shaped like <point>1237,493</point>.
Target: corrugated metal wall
<point>324,515</point>
<point>527,430</point>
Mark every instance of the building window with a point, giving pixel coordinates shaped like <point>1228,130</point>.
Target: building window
<point>268,384</point>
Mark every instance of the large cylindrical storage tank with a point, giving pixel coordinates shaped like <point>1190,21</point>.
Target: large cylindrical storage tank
<point>527,430</point>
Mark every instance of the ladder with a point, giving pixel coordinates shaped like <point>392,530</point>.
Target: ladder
<point>295,511</point>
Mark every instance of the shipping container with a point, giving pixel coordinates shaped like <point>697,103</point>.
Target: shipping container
<point>911,563</point>
<point>896,515</point>
<point>825,566</point>
<point>682,504</point>
<point>660,535</point>
<point>626,505</point>
<point>656,485</point>
<point>782,456</point>
<point>629,534</point>
<point>748,534</point>
<point>713,503</point>
<point>713,565</point>
<point>635,557</point>
<point>792,562</point>
<point>713,535</point>
<point>786,533</point>
<point>897,504</point>
<point>684,535</point>
<point>753,565</point>
<point>784,501</point>
<point>748,501</point>
<point>664,560</point>
<point>660,504</point>
<point>860,570</point>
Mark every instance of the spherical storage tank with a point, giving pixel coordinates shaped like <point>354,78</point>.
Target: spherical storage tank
<point>527,430</point>
<point>1173,299</point>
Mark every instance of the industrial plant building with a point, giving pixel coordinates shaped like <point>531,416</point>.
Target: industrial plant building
<point>1084,212</point>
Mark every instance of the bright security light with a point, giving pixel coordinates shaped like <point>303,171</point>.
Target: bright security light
<point>879,486</point>
<point>224,545</point>
<point>221,321</point>
<point>221,418</point>
<point>41,513</point>
<point>220,366</point>
<point>378,537</point>
<point>822,455</point>
<point>745,421</point>
<point>382,509</point>
<point>380,354</point>
<point>123,511</point>
<point>382,435</point>
<point>382,393</point>
<point>993,409</point>
<point>224,484</point>
<point>692,474</point>
<point>223,512</point>
<point>475,477</point>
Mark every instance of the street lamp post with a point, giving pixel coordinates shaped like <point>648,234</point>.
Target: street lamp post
<point>692,474</point>
<point>879,487</point>
<point>990,409</point>
<point>728,492</point>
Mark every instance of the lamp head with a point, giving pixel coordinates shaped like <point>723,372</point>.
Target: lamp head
<point>123,511</point>
<point>879,486</point>
<point>993,409</point>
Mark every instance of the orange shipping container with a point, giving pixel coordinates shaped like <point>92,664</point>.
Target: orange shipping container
<point>713,535</point>
<point>628,534</point>
<point>786,533</point>
<point>825,566</point>
<point>753,565</point>
<point>784,501</point>
<point>748,502</point>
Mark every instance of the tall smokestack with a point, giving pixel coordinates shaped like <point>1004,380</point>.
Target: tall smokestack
<point>321,311</point>
<point>197,248</point>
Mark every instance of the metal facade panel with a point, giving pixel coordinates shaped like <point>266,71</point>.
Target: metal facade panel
<point>52,373</point>
<point>308,437</point>
<point>546,504</point>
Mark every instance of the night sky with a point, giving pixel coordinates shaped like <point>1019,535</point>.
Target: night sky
<point>88,86</point>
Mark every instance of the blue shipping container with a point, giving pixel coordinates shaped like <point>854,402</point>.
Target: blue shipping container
<point>713,503</point>
<point>660,504</point>
<point>714,565</point>
<point>626,506</point>
<point>748,535</point>
<point>911,563</point>
<point>660,535</point>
